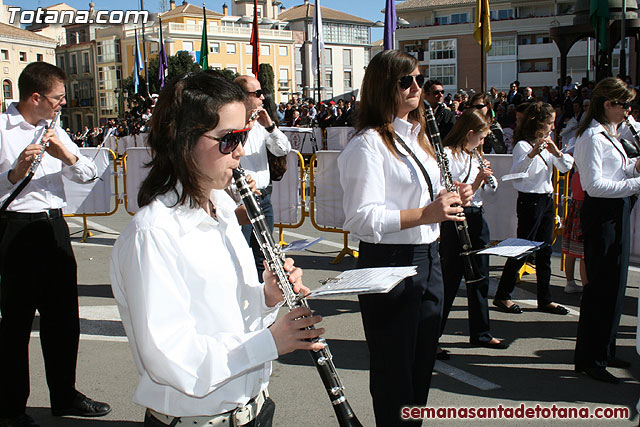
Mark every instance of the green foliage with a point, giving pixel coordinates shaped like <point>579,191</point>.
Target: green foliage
<point>266,78</point>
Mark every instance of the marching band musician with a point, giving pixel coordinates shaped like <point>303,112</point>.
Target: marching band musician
<point>200,324</point>
<point>466,136</point>
<point>34,217</point>
<point>611,181</point>
<point>394,209</point>
<point>535,154</point>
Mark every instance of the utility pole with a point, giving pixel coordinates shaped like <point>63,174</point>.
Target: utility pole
<point>144,53</point>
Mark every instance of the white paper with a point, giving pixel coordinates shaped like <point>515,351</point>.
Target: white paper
<point>512,176</point>
<point>300,245</point>
<point>364,281</point>
<point>511,247</point>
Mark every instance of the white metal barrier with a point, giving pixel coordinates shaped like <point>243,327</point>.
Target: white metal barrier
<point>93,197</point>
<point>286,197</point>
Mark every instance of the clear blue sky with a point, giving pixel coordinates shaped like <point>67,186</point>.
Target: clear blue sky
<point>362,8</point>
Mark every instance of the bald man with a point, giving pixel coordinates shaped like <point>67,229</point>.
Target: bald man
<point>264,135</point>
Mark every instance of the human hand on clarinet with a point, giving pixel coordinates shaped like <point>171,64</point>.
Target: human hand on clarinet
<point>261,116</point>
<point>289,331</point>
<point>483,175</point>
<point>443,209</point>
<point>465,191</point>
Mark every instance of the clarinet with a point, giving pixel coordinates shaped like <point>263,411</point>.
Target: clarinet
<point>275,260</point>
<point>632,150</point>
<point>34,165</point>
<point>491,180</point>
<point>471,270</point>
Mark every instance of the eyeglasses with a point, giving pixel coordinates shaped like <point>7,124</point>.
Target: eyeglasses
<point>625,105</point>
<point>436,92</point>
<point>407,81</point>
<point>56,98</point>
<point>230,141</point>
<point>257,93</point>
<point>479,106</point>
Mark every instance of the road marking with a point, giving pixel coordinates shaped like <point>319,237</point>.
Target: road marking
<point>99,323</point>
<point>322,242</point>
<point>534,303</point>
<point>93,225</point>
<point>465,377</point>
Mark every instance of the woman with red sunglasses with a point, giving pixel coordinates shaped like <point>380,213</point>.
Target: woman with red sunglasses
<point>200,323</point>
<point>393,204</point>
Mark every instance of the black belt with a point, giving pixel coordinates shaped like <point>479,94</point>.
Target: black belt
<point>31,216</point>
<point>266,190</point>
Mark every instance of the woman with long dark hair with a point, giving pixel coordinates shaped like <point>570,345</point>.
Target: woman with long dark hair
<point>494,142</point>
<point>202,327</point>
<point>535,154</point>
<point>467,136</point>
<point>393,205</point>
<point>611,182</point>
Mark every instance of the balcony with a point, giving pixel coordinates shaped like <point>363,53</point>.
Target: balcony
<point>176,30</point>
<point>284,85</point>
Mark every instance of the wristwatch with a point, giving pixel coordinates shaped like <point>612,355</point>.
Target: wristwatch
<point>271,127</point>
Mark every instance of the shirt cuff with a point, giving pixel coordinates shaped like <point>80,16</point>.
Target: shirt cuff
<point>391,222</point>
<point>261,348</point>
<point>5,185</point>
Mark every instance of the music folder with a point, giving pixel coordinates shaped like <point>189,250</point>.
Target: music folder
<point>363,281</point>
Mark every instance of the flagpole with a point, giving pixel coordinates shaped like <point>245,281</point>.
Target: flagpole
<point>483,85</point>
<point>144,53</point>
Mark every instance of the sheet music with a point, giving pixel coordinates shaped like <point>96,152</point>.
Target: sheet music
<point>511,247</point>
<point>364,281</point>
<point>300,245</point>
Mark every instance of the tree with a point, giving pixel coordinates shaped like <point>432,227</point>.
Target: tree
<point>266,78</point>
<point>228,74</point>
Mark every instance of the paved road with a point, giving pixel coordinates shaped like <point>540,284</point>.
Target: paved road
<point>535,370</point>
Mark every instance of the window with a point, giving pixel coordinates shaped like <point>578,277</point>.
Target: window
<point>188,46</point>
<point>299,78</point>
<point>535,65</point>
<point>4,54</point>
<point>347,79</point>
<point>326,56</point>
<point>345,33</point>
<point>23,56</point>
<point>298,53</point>
<point>346,60</point>
<point>446,73</point>
<point>534,39</point>
<point>265,50</point>
<point>442,49</point>
<point>503,47</point>
<point>39,57</point>
<point>231,48</point>
<point>283,81</point>
<point>214,47</point>
<point>7,89</point>
<point>85,65</point>
<point>328,79</point>
<point>501,14</point>
<point>459,18</point>
<point>74,64</point>
<point>283,51</point>
<point>233,69</point>
<point>248,49</point>
<point>249,71</point>
<point>59,61</point>
<point>442,20</point>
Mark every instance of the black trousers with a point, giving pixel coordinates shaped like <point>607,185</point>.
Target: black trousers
<point>247,230</point>
<point>402,329</point>
<point>535,222</point>
<point>606,224</point>
<point>452,273</point>
<point>37,271</point>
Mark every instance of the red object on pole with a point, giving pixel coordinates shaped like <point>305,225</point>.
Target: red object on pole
<point>254,41</point>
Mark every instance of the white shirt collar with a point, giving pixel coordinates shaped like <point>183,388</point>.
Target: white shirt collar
<point>406,129</point>
<point>16,119</point>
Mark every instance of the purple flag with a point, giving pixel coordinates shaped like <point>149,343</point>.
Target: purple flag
<point>390,22</point>
<point>163,66</point>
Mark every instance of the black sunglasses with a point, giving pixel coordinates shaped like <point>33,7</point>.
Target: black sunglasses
<point>407,81</point>
<point>436,92</point>
<point>230,141</point>
<point>257,93</point>
<point>479,106</point>
<point>625,105</point>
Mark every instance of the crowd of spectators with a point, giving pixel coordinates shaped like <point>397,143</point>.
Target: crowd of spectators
<point>307,113</point>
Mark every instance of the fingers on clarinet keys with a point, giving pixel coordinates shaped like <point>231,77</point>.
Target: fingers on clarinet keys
<point>503,306</point>
<point>289,332</point>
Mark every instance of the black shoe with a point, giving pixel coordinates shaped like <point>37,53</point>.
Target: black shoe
<point>443,355</point>
<point>82,406</point>
<point>514,308</point>
<point>599,374</point>
<point>558,309</point>
<point>502,345</point>
<point>23,420</point>
<point>614,362</point>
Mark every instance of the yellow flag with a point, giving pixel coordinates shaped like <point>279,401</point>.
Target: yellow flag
<point>482,25</point>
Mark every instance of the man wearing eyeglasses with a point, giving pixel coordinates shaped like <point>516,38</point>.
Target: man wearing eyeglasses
<point>264,135</point>
<point>434,95</point>
<point>37,265</point>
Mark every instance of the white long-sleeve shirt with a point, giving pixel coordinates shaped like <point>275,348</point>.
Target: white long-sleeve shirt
<point>539,172</point>
<point>255,161</point>
<point>605,170</point>
<point>459,167</point>
<point>377,186</point>
<point>193,308</point>
<point>45,190</point>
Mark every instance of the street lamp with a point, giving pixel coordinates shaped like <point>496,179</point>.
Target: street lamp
<point>125,95</point>
<point>116,91</point>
